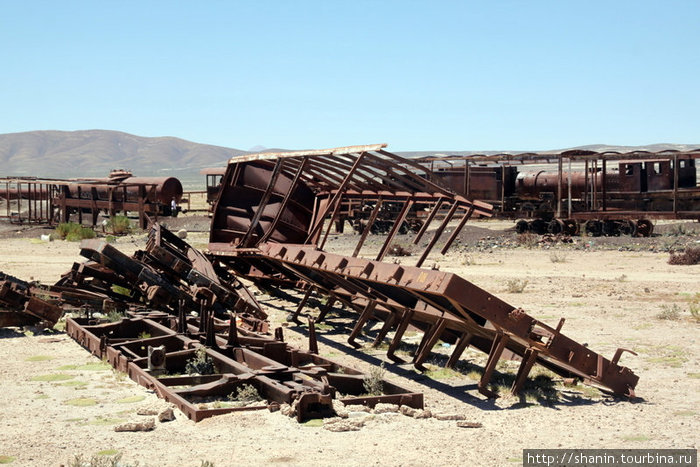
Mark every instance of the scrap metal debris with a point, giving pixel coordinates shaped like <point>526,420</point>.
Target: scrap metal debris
<point>21,305</point>
<point>275,190</point>
<point>196,340</point>
<point>192,331</point>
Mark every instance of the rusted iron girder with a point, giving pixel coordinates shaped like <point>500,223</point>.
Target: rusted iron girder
<point>423,297</point>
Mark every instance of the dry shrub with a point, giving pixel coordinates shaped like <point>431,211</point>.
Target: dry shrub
<point>690,256</point>
<point>398,250</point>
<point>373,383</point>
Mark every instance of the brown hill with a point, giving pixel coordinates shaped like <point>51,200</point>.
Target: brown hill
<point>90,153</point>
<point>95,152</point>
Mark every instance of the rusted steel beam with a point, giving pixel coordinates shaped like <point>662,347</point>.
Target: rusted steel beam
<point>457,230</point>
<point>438,232</point>
<point>368,227</point>
<point>436,207</point>
<point>394,229</point>
<point>463,301</point>
<point>460,346</point>
<point>497,348</point>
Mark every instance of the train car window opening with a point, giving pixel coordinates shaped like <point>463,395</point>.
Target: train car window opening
<point>629,169</point>
<point>656,168</point>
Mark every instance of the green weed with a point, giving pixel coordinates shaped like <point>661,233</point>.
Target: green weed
<point>74,232</point>
<point>53,377</point>
<point>200,364</point>
<point>81,402</point>
<point>38,358</point>
<point>130,400</point>
<point>119,225</point>
<point>245,393</point>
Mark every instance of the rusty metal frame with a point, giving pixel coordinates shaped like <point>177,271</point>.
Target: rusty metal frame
<point>280,373</point>
<point>336,177</point>
<point>424,297</point>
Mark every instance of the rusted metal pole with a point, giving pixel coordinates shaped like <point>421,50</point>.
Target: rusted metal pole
<point>433,334</point>
<point>459,228</point>
<point>427,222</point>
<point>460,346</point>
<point>29,202</point>
<point>302,304</point>
<point>526,364</point>
<point>394,229</point>
<point>80,211</point>
<point>313,343</point>
<point>675,184</point>
<point>364,316</point>
<point>568,182</point>
<point>330,222</point>
<point>405,320</point>
<point>368,227</point>
<point>559,183</point>
<point>497,347</point>
<point>437,234</point>
<point>585,185</point>
<point>595,185</point>
<point>503,188</point>
<point>604,181</point>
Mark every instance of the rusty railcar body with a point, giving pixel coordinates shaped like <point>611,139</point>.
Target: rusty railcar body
<point>602,193</point>
<point>271,222</point>
<point>47,201</point>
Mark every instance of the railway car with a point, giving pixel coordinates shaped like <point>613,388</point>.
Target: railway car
<point>598,193</point>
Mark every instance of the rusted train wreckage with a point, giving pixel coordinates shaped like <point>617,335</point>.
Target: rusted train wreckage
<point>31,200</point>
<point>270,225</point>
<point>601,193</point>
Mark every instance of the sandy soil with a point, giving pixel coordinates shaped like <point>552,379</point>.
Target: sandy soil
<point>58,401</point>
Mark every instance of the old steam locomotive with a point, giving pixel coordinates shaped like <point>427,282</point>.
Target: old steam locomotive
<point>600,193</point>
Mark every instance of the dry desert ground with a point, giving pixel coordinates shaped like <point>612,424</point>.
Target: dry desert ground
<point>58,401</point>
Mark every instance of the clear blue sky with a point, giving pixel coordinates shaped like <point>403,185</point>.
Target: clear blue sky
<point>419,75</point>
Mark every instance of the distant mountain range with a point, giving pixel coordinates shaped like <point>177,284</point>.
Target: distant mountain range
<point>90,153</point>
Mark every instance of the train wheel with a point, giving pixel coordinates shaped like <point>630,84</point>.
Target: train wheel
<point>555,226</point>
<point>571,227</point>
<point>628,228</point>
<point>522,226</point>
<point>594,228</point>
<point>538,226</point>
<point>645,228</point>
<point>611,229</point>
